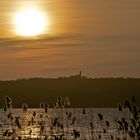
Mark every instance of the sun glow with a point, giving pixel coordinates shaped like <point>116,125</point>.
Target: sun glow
<point>31,22</point>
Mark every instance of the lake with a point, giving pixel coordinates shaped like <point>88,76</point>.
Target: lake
<point>63,123</point>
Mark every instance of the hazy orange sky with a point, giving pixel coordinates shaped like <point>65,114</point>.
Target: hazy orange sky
<point>99,37</point>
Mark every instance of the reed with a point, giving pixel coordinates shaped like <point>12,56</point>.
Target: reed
<point>66,124</point>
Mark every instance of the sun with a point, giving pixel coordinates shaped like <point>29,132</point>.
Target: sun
<point>30,22</point>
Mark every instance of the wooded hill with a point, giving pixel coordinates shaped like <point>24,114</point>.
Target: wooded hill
<point>82,91</point>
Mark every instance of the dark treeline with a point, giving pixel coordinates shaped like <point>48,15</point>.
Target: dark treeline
<point>82,91</point>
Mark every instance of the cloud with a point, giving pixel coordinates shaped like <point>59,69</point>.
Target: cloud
<point>13,44</point>
<point>62,40</point>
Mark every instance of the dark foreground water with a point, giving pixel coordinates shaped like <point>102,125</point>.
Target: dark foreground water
<point>62,123</point>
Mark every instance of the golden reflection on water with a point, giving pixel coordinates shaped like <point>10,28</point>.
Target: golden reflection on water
<point>57,122</point>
